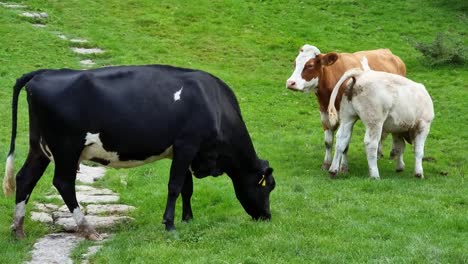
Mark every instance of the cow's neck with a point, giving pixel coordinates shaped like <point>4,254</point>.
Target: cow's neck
<point>241,158</point>
<point>325,88</point>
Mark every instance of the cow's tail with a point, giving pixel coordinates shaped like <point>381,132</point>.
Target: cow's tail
<point>9,178</point>
<point>332,113</point>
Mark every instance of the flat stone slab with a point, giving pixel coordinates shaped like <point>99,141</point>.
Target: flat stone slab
<point>68,223</point>
<point>39,25</point>
<point>87,62</point>
<point>42,217</point>
<point>46,207</point>
<point>13,5</point>
<point>39,15</point>
<point>88,190</point>
<point>87,50</point>
<point>54,248</point>
<point>78,40</point>
<point>95,209</point>
<point>88,174</point>
<point>90,199</point>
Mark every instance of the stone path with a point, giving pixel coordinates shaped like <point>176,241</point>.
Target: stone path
<point>99,205</point>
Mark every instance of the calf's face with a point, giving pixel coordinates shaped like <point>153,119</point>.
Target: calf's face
<point>254,194</point>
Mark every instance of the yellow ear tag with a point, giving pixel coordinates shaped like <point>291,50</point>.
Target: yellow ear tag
<point>262,181</point>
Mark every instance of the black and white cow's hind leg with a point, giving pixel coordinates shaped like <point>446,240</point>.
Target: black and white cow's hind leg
<point>27,178</point>
<point>182,158</point>
<point>64,181</point>
<point>187,191</point>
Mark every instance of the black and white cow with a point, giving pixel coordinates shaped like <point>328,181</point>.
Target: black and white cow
<point>130,115</point>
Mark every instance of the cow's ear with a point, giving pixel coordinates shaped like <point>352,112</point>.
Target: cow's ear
<point>329,58</point>
<point>265,176</point>
<point>268,171</point>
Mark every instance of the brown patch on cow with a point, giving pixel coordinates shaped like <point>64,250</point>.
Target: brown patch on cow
<point>312,69</point>
<point>349,90</point>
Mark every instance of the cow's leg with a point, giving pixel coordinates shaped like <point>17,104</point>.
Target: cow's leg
<point>343,136</point>
<point>380,148</point>
<point>328,149</point>
<point>26,180</point>
<point>187,191</point>
<point>182,157</point>
<point>344,159</point>
<point>419,141</point>
<point>371,141</point>
<point>398,151</point>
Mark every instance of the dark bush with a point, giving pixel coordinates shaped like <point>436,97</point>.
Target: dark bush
<point>445,49</point>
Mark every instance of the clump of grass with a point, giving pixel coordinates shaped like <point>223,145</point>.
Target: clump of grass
<point>445,49</point>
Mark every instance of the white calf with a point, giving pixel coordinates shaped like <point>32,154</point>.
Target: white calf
<point>386,103</point>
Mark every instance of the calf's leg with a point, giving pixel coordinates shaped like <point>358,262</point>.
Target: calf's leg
<point>419,141</point>
<point>398,151</point>
<point>343,136</point>
<point>371,141</point>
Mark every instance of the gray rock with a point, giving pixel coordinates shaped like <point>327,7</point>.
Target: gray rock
<point>89,174</point>
<point>87,50</point>
<point>87,62</point>
<point>95,209</point>
<point>39,25</point>
<point>39,15</point>
<point>68,224</point>
<point>54,248</point>
<point>45,207</point>
<point>78,40</point>
<point>84,198</point>
<point>13,5</point>
<point>42,217</point>
<point>88,190</point>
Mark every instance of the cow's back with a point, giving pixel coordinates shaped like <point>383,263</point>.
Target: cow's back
<point>383,60</point>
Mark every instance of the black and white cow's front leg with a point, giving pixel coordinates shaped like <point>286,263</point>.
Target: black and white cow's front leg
<point>26,180</point>
<point>187,191</point>
<point>64,181</point>
<point>182,158</point>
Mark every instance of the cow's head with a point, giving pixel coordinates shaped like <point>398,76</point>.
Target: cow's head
<point>254,192</point>
<point>308,68</point>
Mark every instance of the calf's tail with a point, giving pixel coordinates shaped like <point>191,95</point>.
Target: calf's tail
<point>9,179</point>
<point>332,113</point>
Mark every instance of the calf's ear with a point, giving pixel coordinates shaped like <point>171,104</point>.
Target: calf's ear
<point>268,171</point>
<point>329,58</point>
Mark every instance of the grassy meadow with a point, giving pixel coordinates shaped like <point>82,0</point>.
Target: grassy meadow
<point>251,45</point>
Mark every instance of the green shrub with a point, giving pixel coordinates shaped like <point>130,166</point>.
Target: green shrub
<point>445,49</point>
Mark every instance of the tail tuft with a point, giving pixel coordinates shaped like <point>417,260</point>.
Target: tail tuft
<point>9,178</point>
<point>332,116</point>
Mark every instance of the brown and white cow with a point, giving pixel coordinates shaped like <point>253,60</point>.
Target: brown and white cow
<point>320,72</point>
<point>384,102</point>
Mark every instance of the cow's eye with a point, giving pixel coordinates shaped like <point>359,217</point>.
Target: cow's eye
<point>309,66</point>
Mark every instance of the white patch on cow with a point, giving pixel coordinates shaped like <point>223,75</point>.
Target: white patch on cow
<point>45,149</point>
<point>177,94</point>
<point>365,64</point>
<point>296,81</point>
<point>20,210</point>
<point>78,216</point>
<point>94,148</point>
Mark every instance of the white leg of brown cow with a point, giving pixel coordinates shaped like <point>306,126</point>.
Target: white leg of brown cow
<point>371,140</point>
<point>328,149</point>
<point>419,141</point>
<point>343,136</point>
<point>398,151</point>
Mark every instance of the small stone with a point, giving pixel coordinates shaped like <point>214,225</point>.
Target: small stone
<point>95,209</point>
<point>78,40</point>
<point>68,223</point>
<point>61,36</point>
<point>39,25</point>
<point>87,63</point>
<point>15,6</point>
<point>87,50</point>
<point>42,217</point>
<point>35,14</point>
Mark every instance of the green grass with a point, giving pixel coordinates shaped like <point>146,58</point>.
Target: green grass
<point>251,45</point>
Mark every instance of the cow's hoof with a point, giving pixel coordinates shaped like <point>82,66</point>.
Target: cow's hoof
<point>400,169</point>
<point>344,169</point>
<point>18,233</point>
<point>374,178</point>
<point>187,218</point>
<point>332,174</point>
<point>325,166</point>
<point>419,175</point>
<point>89,233</point>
